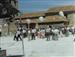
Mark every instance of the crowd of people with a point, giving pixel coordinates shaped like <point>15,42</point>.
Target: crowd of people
<point>48,33</point>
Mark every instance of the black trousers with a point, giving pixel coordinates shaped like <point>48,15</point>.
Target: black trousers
<point>17,37</point>
<point>24,35</point>
<point>48,36</point>
<point>33,36</point>
<point>0,34</point>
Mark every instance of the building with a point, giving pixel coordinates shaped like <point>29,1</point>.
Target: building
<point>69,12</point>
<point>50,17</point>
<point>41,19</point>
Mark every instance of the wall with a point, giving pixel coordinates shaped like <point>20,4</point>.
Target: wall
<point>71,18</point>
<point>12,27</point>
<point>4,27</point>
<point>3,53</point>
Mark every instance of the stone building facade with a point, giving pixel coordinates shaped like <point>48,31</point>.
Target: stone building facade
<point>71,18</point>
<point>51,15</point>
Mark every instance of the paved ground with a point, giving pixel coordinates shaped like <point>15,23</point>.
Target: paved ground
<point>64,47</point>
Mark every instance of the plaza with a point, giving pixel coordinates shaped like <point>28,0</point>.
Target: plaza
<point>64,47</point>
<point>30,28</point>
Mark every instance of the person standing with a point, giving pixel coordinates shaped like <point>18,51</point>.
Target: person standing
<point>0,32</point>
<point>47,33</point>
<point>29,34</point>
<point>72,30</point>
<point>17,35</point>
<point>55,34</point>
<point>33,34</point>
<point>43,33</point>
<point>60,32</point>
<point>39,33</point>
<point>24,33</point>
<point>67,31</point>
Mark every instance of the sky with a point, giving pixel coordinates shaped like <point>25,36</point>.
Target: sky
<point>41,5</point>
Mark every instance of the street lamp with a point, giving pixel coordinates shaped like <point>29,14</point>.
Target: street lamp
<point>28,22</point>
<point>17,23</point>
<point>5,32</point>
<point>0,35</point>
<point>41,18</point>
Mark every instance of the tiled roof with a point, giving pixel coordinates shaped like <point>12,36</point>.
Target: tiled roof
<point>34,14</point>
<point>62,8</point>
<point>47,19</point>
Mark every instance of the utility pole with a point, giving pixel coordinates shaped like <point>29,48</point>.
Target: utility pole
<point>22,37</point>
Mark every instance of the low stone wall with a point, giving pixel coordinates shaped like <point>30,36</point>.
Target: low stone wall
<point>3,53</point>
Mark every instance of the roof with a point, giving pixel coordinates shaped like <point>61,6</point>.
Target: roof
<point>34,14</point>
<point>55,18</point>
<point>47,19</point>
<point>67,10</point>
<point>62,8</point>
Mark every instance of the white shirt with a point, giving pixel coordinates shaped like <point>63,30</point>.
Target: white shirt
<point>48,30</point>
<point>19,28</point>
<point>43,30</point>
<point>24,31</point>
<point>68,28</point>
<point>62,29</point>
<point>29,31</point>
<point>0,30</point>
<point>17,33</point>
<point>56,31</point>
<point>33,30</point>
<point>72,28</point>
